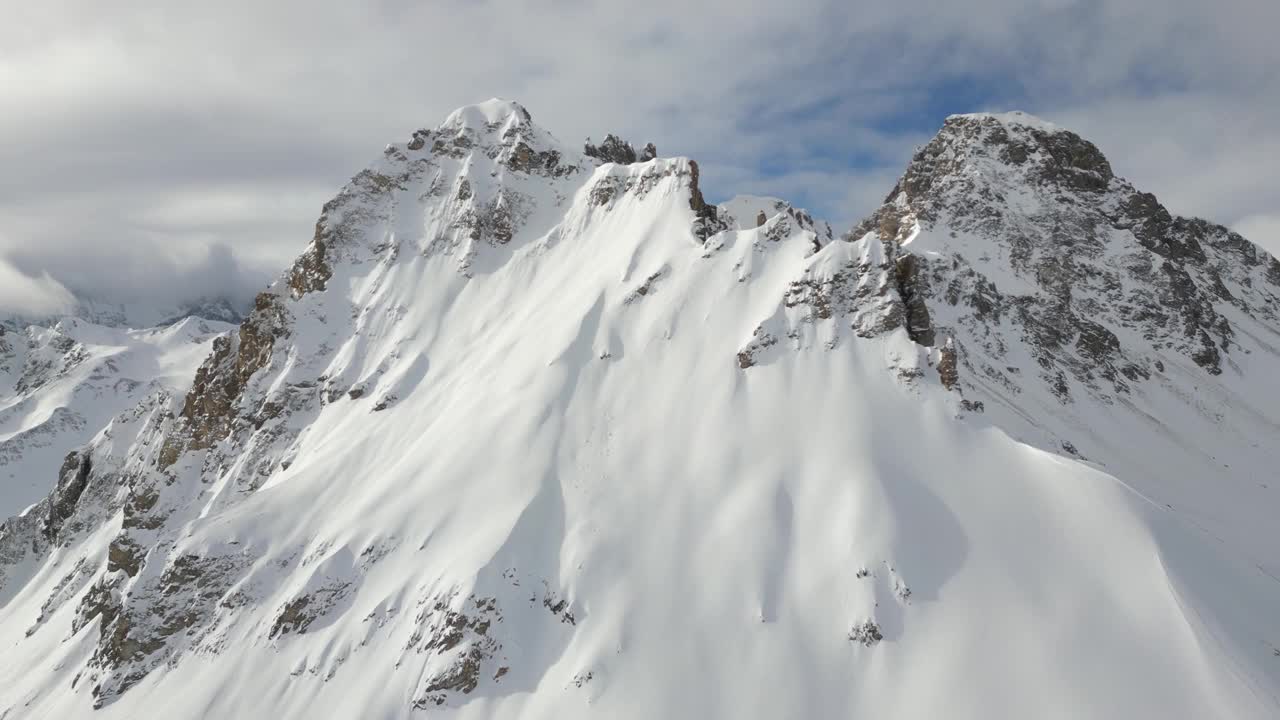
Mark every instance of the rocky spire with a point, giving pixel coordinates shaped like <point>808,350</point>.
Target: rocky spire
<point>616,150</point>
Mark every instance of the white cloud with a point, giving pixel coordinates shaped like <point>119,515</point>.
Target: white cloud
<point>1203,153</point>
<point>31,296</point>
<point>1263,230</point>
<point>153,129</point>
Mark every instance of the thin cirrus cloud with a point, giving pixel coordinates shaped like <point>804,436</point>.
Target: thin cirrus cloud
<point>152,132</point>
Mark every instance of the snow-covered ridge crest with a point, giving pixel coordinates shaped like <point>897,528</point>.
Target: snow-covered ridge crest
<point>1013,118</point>
<point>493,112</point>
<point>484,176</point>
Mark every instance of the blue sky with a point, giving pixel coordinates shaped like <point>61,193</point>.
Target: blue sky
<point>171,148</point>
<point>850,141</point>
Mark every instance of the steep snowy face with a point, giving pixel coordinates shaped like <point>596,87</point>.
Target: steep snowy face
<point>527,432</point>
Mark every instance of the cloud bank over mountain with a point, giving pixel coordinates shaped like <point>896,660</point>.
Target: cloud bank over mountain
<point>23,294</point>
<point>151,133</point>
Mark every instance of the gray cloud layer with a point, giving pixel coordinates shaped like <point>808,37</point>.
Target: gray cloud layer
<point>154,149</point>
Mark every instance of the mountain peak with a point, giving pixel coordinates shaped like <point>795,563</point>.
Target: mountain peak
<point>972,155</point>
<point>1025,224</point>
<point>1012,118</point>
<point>487,114</point>
<point>502,130</point>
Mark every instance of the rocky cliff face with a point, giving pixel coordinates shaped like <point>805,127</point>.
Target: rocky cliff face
<point>498,439</point>
<point>1020,236</point>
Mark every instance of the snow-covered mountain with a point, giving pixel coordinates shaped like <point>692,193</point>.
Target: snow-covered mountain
<point>1087,319</point>
<point>529,432</point>
<point>133,314</point>
<point>60,385</point>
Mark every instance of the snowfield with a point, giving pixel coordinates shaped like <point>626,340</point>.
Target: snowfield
<point>525,434</point>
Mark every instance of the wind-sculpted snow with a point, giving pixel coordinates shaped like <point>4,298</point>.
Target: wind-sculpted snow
<point>525,433</point>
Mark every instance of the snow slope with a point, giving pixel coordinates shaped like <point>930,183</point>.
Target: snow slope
<point>526,435</point>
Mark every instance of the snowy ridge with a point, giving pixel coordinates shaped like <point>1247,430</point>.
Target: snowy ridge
<point>1014,119</point>
<point>748,211</point>
<point>525,433</point>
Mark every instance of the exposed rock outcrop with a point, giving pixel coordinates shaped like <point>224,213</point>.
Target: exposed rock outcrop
<point>706,217</point>
<point>948,366</point>
<point>72,480</point>
<point>616,150</point>
<point>911,288</point>
<point>866,633</point>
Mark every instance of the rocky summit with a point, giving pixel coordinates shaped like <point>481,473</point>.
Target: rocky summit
<point>532,429</point>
